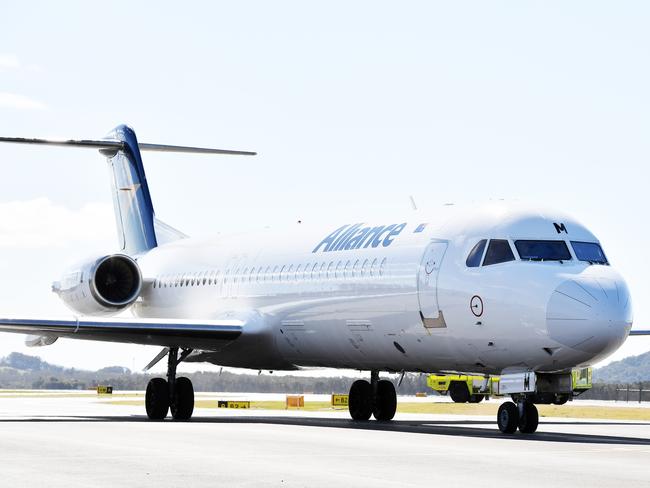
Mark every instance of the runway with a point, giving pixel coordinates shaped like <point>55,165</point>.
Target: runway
<point>80,441</point>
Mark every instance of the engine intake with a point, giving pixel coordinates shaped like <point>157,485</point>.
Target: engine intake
<point>103,286</point>
<point>116,281</point>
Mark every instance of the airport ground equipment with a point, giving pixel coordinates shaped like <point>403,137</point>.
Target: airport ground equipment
<point>294,401</point>
<point>463,388</point>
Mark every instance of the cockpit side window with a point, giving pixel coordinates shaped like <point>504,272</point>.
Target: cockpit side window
<point>498,252</point>
<point>475,255</point>
<point>543,250</point>
<point>590,252</point>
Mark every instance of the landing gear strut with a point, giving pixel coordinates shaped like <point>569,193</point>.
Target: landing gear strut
<point>175,394</point>
<point>523,416</point>
<point>376,398</point>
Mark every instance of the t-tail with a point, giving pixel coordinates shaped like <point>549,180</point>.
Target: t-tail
<point>137,228</point>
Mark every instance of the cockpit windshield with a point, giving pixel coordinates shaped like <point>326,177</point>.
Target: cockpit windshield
<point>543,250</point>
<point>590,252</point>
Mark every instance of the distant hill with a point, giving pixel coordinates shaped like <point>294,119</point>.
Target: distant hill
<point>23,362</point>
<point>628,370</point>
<point>114,370</point>
<point>22,371</point>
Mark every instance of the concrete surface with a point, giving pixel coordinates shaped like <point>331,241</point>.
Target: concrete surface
<point>74,442</point>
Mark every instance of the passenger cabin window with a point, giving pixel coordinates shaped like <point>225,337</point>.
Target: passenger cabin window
<point>543,250</point>
<point>498,252</point>
<point>590,252</point>
<point>364,268</point>
<point>475,255</point>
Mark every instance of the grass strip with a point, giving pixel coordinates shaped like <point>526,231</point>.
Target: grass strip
<point>488,409</point>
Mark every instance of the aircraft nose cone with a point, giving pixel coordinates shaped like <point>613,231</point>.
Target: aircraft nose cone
<point>591,314</point>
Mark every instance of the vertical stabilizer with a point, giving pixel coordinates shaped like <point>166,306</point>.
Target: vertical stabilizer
<point>136,224</point>
<point>134,213</point>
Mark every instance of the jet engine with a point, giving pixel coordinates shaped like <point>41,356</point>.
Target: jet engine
<point>103,286</point>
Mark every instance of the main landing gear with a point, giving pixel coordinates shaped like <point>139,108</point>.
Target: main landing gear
<point>376,398</point>
<point>175,394</point>
<point>522,415</point>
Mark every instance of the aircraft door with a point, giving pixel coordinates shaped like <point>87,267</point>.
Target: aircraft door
<point>428,285</point>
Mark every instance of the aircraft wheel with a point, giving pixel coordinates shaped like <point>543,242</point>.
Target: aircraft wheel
<point>458,392</point>
<point>508,418</point>
<point>529,420</point>
<point>386,401</point>
<point>475,398</point>
<point>360,400</point>
<point>183,404</point>
<point>156,399</point>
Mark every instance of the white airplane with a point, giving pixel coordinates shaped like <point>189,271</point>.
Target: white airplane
<point>524,293</point>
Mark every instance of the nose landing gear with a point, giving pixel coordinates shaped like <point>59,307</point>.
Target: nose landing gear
<point>175,394</point>
<point>523,416</point>
<point>377,398</point>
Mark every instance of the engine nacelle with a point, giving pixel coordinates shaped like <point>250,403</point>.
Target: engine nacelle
<point>104,286</point>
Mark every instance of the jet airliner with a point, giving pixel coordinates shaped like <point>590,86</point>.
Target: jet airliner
<point>495,289</point>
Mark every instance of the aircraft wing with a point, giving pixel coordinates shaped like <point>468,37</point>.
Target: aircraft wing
<point>639,332</point>
<point>198,334</point>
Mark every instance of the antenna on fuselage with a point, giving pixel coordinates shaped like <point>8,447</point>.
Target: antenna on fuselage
<point>415,207</point>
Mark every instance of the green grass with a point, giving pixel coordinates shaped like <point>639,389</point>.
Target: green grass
<point>570,410</point>
<point>49,394</point>
<point>489,409</point>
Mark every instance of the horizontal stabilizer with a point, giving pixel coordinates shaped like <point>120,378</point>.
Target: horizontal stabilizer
<point>115,145</point>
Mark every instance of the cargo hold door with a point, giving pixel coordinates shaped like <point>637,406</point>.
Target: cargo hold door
<point>428,285</point>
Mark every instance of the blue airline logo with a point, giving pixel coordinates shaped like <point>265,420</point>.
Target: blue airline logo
<point>356,236</point>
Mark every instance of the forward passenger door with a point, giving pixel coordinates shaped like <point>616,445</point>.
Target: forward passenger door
<point>428,284</point>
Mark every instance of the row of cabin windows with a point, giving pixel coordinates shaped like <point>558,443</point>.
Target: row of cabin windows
<point>276,274</point>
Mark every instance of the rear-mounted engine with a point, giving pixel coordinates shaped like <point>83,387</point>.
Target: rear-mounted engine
<point>103,286</point>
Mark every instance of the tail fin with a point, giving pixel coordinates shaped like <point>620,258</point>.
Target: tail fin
<point>134,213</point>
<point>136,224</point>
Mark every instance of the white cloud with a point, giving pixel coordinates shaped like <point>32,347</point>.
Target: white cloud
<point>20,102</point>
<point>39,223</point>
<point>9,61</point>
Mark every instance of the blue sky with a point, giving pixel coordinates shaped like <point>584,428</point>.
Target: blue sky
<point>352,106</point>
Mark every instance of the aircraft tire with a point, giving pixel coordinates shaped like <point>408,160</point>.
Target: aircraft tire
<point>157,399</point>
<point>529,421</point>
<point>183,405</point>
<point>360,400</point>
<point>508,418</point>
<point>385,402</point>
<point>458,392</point>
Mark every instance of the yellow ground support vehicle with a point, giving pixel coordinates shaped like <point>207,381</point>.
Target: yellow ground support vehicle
<point>474,388</point>
<point>463,388</point>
